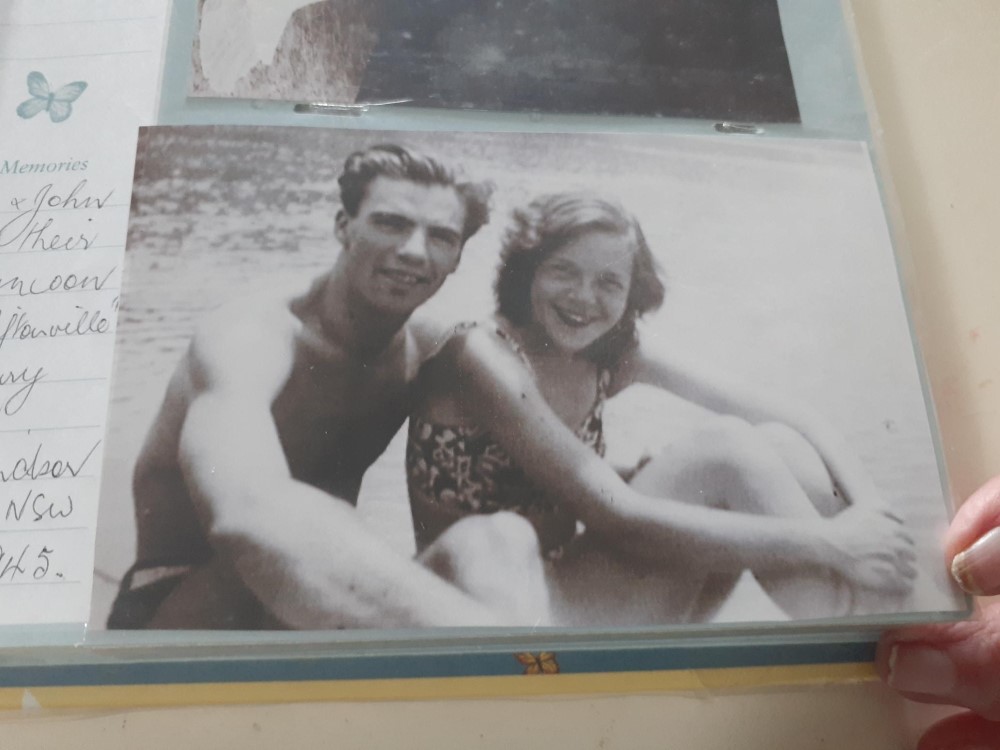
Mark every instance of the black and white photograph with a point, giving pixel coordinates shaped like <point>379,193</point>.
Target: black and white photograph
<point>402,380</point>
<point>723,59</point>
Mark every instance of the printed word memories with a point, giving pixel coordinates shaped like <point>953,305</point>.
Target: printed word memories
<point>48,167</point>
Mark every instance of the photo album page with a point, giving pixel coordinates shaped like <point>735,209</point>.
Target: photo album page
<point>565,321</point>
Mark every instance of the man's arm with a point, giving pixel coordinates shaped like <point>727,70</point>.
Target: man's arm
<point>724,395</point>
<point>304,554</point>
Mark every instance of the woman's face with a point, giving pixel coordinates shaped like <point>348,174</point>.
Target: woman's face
<point>581,290</point>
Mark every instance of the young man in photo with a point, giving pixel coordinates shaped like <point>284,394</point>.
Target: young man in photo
<point>246,486</point>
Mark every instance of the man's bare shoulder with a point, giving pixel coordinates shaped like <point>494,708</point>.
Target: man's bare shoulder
<point>428,334</point>
<point>248,339</point>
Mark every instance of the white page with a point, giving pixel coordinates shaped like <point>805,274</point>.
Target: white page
<point>66,162</point>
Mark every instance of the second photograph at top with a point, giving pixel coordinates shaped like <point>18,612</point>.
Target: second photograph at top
<point>722,59</point>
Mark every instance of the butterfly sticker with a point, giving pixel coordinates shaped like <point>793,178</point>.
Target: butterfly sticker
<point>542,663</point>
<point>58,103</point>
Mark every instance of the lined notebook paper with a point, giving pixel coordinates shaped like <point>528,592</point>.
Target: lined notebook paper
<point>76,81</point>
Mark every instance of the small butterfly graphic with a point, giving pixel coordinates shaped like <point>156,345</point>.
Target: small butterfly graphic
<point>58,102</point>
<point>542,663</point>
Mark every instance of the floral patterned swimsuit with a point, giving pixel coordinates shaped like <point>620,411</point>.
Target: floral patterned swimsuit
<point>464,468</point>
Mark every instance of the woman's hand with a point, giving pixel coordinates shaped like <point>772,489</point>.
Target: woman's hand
<point>871,549</point>
<point>958,663</point>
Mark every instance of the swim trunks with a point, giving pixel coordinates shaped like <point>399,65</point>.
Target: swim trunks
<point>143,589</point>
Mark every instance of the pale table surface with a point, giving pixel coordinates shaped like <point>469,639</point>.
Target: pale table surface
<point>934,72</point>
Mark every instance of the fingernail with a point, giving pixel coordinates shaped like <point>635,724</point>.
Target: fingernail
<point>977,569</point>
<point>919,669</point>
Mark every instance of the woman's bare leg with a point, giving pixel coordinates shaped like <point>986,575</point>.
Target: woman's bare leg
<point>762,470</point>
<point>718,462</point>
<point>810,471</point>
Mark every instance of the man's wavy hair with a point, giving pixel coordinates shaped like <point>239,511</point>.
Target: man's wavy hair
<point>550,222</point>
<point>398,162</point>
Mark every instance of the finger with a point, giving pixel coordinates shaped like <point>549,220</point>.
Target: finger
<point>904,537</point>
<point>897,569</point>
<point>976,516</point>
<point>891,516</point>
<point>956,664</point>
<point>897,544</point>
<point>893,581</point>
<point>901,567</point>
<point>977,568</point>
<point>962,731</point>
<point>973,541</point>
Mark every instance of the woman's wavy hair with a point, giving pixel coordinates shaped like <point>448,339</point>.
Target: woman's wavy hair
<point>548,223</point>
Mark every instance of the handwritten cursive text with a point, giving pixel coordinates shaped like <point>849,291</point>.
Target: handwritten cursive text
<point>19,326</point>
<point>30,231</point>
<point>40,467</point>
<point>27,380</point>
<point>37,506</point>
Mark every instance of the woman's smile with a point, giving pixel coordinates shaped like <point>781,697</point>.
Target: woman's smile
<point>580,291</point>
<point>574,318</point>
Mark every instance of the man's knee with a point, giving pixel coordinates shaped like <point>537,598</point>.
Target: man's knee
<point>496,540</point>
<point>497,560</point>
<point>511,535</point>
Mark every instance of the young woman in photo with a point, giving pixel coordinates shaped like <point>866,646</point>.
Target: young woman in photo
<point>508,423</point>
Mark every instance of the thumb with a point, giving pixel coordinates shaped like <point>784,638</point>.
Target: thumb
<point>962,732</point>
<point>957,663</point>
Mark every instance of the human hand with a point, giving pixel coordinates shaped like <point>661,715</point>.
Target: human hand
<point>872,550</point>
<point>958,663</point>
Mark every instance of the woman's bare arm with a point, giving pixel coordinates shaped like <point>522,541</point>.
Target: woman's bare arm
<point>724,395</point>
<point>494,387</point>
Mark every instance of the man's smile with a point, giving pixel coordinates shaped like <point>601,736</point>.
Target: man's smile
<point>400,276</point>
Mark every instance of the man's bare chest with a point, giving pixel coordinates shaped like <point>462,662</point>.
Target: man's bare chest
<point>333,423</point>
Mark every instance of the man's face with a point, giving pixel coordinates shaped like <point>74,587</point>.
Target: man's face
<point>404,242</point>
